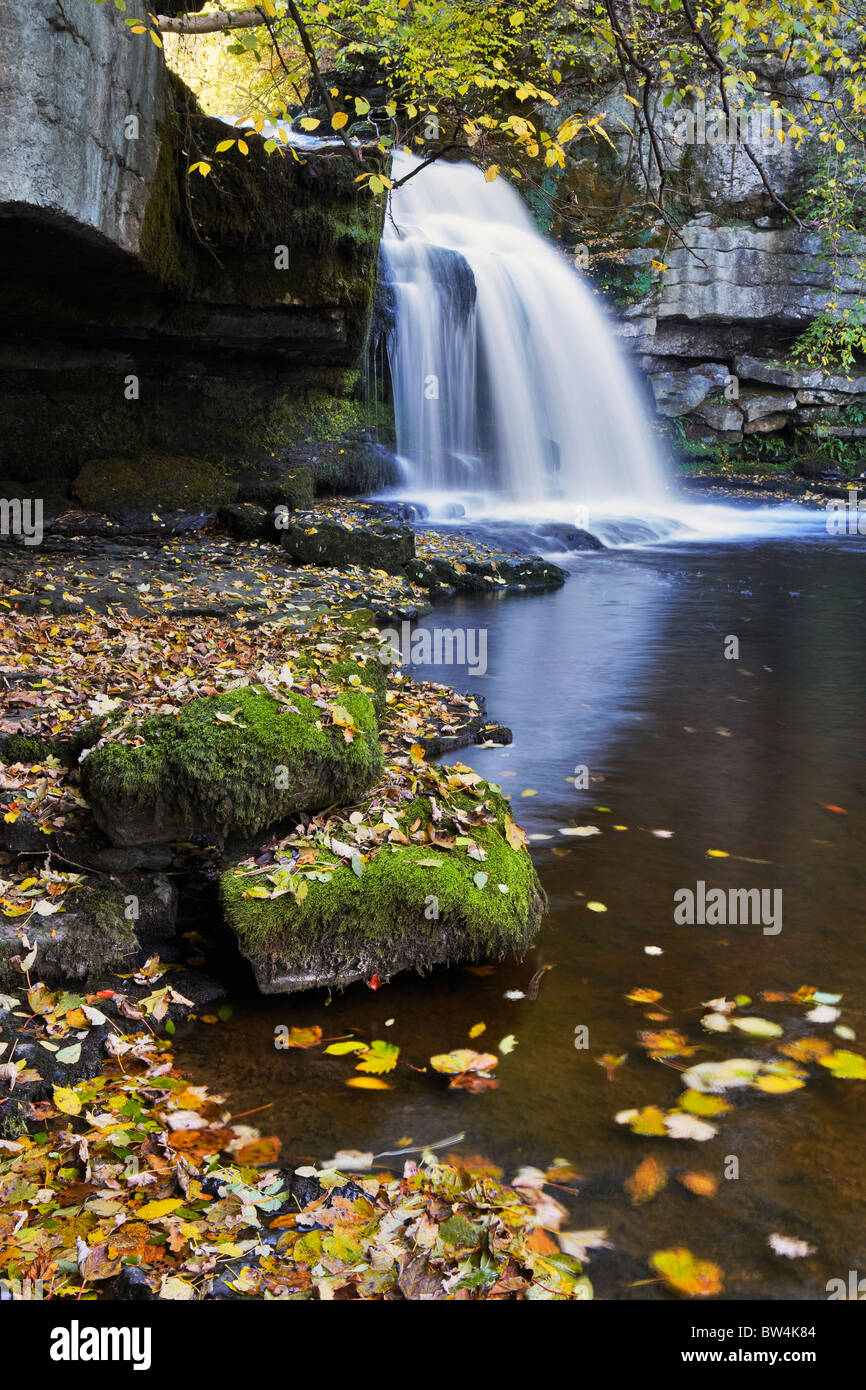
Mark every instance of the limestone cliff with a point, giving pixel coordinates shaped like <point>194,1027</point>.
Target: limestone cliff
<point>150,309</point>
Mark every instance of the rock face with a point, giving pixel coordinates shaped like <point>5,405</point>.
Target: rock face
<point>82,100</point>
<point>141,304</point>
<point>732,288</point>
<point>714,333</point>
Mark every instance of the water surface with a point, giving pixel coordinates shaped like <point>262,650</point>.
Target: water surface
<point>623,671</point>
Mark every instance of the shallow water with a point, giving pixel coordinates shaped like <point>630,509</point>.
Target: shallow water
<point>623,671</point>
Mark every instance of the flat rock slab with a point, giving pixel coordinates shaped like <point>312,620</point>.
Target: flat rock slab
<point>372,543</point>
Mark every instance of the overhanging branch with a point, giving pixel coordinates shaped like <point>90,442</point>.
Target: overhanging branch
<point>209,23</point>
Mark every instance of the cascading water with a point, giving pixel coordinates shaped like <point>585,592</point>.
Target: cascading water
<point>512,399</point>
<point>506,377</point>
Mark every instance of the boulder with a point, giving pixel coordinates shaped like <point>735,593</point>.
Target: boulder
<point>292,489</point>
<point>105,922</point>
<point>378,544</point>
<point>679,392</point>
<point>247,521</point>
<point>231,763</point>
<point>760,405</point>
<point>724,418</point>
<point>412,907</point>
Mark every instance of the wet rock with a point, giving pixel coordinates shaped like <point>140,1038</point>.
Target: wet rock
<point>412,907</point>
<point>379,544</point>
<point>105,922</point>
<point>235,762</point>
<point>292,489</point>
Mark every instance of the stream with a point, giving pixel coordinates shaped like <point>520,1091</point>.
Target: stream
<point>623,672</point>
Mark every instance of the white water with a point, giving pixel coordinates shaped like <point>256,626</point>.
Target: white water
<point>521,393</point>
<point>512,399</point>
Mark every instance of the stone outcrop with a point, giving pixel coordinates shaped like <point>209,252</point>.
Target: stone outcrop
<point>714,334</point>
<point>82,100</point>
<point>144,303</point>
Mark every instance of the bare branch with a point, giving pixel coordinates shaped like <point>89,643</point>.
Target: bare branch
<point>721,68</point>
<point>209,23</point>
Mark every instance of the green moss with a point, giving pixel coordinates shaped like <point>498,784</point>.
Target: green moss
<point>152,481</point>
<point>403,912</point>
<point>91,937</point>
<point>216,237</point>
<point>24,748</point>
<point>101,937</point>
<point>233,762</point>
<point>370,675</point>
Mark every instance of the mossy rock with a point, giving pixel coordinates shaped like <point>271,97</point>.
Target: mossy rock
<point>66,747</point>
<point>351,928</point>
<point>104,923</point>
<point>235,762</point>
<point>247,521</point>
<point>312,539</point>
<point>152,483</point>
<point>292,489</point>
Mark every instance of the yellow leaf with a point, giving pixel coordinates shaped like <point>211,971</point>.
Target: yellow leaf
<point>687,1275</point>
<point>340,1049</point>
<point>310,123</point>
<point>368,1083</point>
<point>701,1184</point>
<point>463,1059</point>
<point>66,1100</point>
<point>339,119</point>
<point>778,1085</point>
<point>648,1178</point>
<point>152,1211</point>
<point>477,1029</point>
<point>492,173</point>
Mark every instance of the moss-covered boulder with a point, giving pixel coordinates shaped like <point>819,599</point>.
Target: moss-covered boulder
<point>439,889</point>
<point>376,543</point>
<point>103,924</point>
<point>151,483</point>
<point>235,762</point>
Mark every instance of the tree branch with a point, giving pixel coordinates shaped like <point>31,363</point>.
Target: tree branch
<point>208,23</point>
<point>721,68</point>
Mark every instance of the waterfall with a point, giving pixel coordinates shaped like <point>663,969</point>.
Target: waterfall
<point>509,387</point>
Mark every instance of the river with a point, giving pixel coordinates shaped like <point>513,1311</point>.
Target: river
<point>623,672</point>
